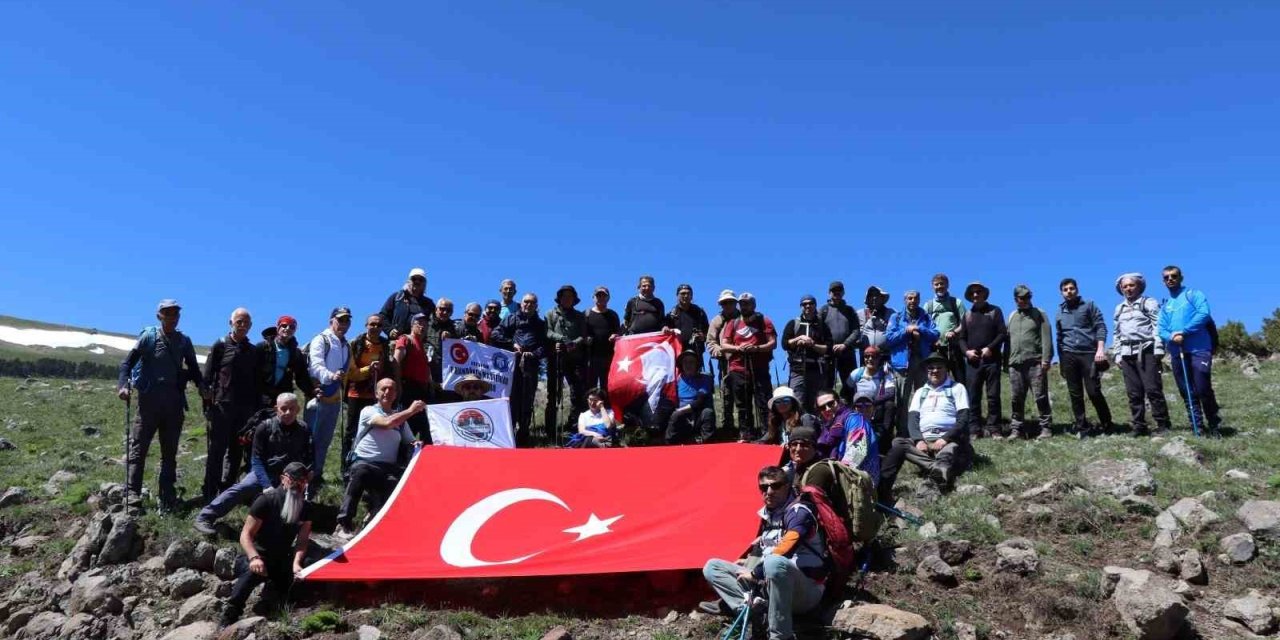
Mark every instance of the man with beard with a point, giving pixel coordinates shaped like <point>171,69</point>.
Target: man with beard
<point>439,329</point>
<point>231,371</point>
<point>982,338</point>
<point>603,328</point>
<point>644,313</point>
<point>946,313</point>
<point>1028,358</point>
<point>370,362</point>
<point>277,443</point>
<point>690,320</point>
<point>846,334</point>
<point>748,342</point>
<point>526,334</point>
<point>874,319</point>
<point>281,363</point>
<point>274,540</point>
<point>468,328</point>
<point>492,317</point>
<point>413,372</point>
<point>567,337</point>
<point>807,342</point>
<point>400,308</point>
<point>728,311</point>
<point>375,471</point>
<point>909,339</point>
<point>1082,356</point>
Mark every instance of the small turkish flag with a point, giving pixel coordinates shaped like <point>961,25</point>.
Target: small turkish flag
<point>475,513</point>
<point>644,366</point>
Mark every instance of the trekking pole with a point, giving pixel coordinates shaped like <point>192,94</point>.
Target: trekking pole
<point>1186,387</point>
<point>559,396</point>
<point>128,439</point>
<point>901,514</point>
<point>755,408</point>
<point>775,374</point>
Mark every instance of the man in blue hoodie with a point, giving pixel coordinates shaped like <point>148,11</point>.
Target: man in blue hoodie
<point>1184,325</point>
<point>909,339</point>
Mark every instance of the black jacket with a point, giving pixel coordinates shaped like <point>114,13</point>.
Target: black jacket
<point>275,446</point>
<point>295,373</point>
<point>688,321</point>
<point>397,314</point>
<point>231,371</point>
<point>644,316</point>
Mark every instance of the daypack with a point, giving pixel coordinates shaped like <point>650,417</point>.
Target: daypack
<point>245,435</point>
<point>863,521</point>
<point>835,534</point>
<point>140,377</point>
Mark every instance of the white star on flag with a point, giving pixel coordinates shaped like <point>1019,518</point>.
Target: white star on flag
<point>593,527</point>
<point>625,365</point>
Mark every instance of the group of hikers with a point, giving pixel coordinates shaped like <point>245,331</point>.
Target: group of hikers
<point>866,389</point>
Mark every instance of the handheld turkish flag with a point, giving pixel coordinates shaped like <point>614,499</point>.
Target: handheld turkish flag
<point>644,366</point>
<point>476,513</point>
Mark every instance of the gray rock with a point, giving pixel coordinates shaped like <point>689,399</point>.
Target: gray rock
<point>1004,498</point>
<point>953,552</point>
<point>201,606</point>
<point>184,583</point>
<point>557,633</point>
<point>1236,474</point>
<point>1192,514</point>
<point>1255,611</point>
<point>1140,505</point>
<point>1119,477</point>
<point>91,431</point>
<point>1177,449</point>
<point>204,557</point>
<point>243,628</point>
<point>965,631</point>
<point>59,479</point>
<point>438,632</point>
<point>991,521</point>
<point>1017,556</point>
<point>87,546</point>
<point>1191,567</point>
<point>5,445</point>
<point>1239,548</point>
<point>937,570</point>
<point>366,632</point>
<point>1164,558</point>
<point>95,594</point>
<point>671,618</point>
<point>45,625</point>
<point>971,490</point>
<point>1261,518</point>
<point>881,622</point>
<point>123,543</point>
<point>1038,510</point>
<point>1036,492</point>
<point>1146,603</point>
<point>27,543</point>
<point>12,496</point>
<point>154,563</point>
<point>928,530</point>
<point>18,619</point>
<point>203,630</point>
<point>224,563</point>
<point>181,554</point>
<point>83,626</point>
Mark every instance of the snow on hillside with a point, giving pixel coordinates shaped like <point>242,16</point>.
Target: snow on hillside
<point>94,342</point>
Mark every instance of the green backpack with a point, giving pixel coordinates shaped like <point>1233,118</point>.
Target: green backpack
<point>852,494</point>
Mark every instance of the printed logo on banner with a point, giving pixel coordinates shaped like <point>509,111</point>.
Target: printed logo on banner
<point>501,361</point>
<point>473,425</point>
<point>459,353</point>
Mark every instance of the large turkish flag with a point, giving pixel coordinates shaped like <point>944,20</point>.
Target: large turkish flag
<point>644,366</point>
<point>474,513</point>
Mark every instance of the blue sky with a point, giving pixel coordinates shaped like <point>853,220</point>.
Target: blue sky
<point>289,158</point>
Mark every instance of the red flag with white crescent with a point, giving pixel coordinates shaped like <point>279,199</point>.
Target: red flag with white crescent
<point>644,366</point>
<point>475,513</point>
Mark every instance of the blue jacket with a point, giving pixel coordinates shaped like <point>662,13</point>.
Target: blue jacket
<point>897,339</point>
<point>1187,312</point>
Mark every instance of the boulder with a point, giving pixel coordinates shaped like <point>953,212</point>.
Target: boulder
<point>1017,556</point>
<point>45,625</point>
<point>1036,492</point>
<point>557,633</point>
<point>83,626</point>
<point>1238,548</point>
<point>201,606</point>
<point>87,547</point>
<point>27,543</point>
<point>965,631</point>
<point>1119,477</point>
<point>1140,505</point>
<point>366,632</point>
<point>53,486</point>
<point>1255,611</point>
<point>953,552</point>
<point>1177,449</point>
<point>971,490</point>
<point>881,622</point>
<point>181,554</point>
<point>1164,559</point>
<point>203,630</point>
<point>1038,510</point>
<point>1261,518</point>
<point>123,544</point>
<point>224,563</point>
<point>204,556</point>
<point>95,594</point>
<point>1146,603</point>
<point>1236,474</point>
<point>242,629</point>
<point>1192,514</point>
<point>937,570</point>
<point>184,583</point>
<point>12,496</point>
<point>927,530</point>
<point>1191,567</point>
<point>5,445</point>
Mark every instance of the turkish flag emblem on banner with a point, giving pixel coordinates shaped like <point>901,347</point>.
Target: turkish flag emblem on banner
<point>644,366</point>
<point>477,513</point>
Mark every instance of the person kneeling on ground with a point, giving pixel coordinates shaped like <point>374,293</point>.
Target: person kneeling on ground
<point>279,521</point>
<point>694,417</point>
<point>786,564</point>
<point>277,443</point>
<point>376,452</point>
<point>938,425</point>
<point>596,427</point>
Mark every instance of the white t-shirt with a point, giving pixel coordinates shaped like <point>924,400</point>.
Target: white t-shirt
<point>938,407</point>
<point>380,444</point>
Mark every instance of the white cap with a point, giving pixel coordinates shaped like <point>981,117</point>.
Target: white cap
<point>417,272</point>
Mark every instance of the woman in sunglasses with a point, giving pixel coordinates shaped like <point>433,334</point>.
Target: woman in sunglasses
<point>785,414</point>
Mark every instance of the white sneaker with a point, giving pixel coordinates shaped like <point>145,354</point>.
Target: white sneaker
<point>342,535</point>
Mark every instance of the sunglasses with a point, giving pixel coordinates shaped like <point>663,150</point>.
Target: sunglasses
<point>374,324</point>
<point>779,485</point>
<point>863,404</point>
<point>829,405</point>
<point>1172,276</point>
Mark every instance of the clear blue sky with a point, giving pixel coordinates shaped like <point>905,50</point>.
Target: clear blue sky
<point>291,157</point>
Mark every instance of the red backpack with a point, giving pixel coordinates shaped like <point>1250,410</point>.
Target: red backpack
<point>835,533</point>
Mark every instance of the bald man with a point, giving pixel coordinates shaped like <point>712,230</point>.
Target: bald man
<point>232,374</point>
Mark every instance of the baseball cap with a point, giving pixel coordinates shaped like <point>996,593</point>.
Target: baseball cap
<point>296,470</point>
<point>168,303</point>
<point>862,395</point>
<point>803,433</point>
<point>1021,291</point>
<point>727,296</point>
<point>836,285</point>
<point>338,312</point>
<point>746,297</point>
<point>808,298</point>
<point>418,316</point>
<point>417,272</point>
<point>286,320</point>
<point>683,287</point>
<point>603,289</point>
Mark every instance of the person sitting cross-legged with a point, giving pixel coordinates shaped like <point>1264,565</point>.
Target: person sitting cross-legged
<point>596,427</point>
<point>938,426</point>
<point>374,471</point>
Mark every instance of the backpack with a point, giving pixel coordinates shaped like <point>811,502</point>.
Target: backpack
<point>863,520</point>
<point>835,534</point>
<point>245,435</point>
<point>140,376</point>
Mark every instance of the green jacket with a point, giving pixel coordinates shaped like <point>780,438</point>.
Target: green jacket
<point>946,314</point>
<point>566,327</point>
<point>1030,336</point>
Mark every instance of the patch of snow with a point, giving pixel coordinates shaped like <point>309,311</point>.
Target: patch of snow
<point>98,350</point>
<point>94,342</point>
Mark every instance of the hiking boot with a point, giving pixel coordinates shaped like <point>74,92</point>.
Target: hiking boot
<point>940,475</point>
<point>1045,433</point>
<point>1141,432</point>
<point>715,608</point>
<point>229,616</point>
<point>343,534</point>
<point>1014,434</point>
<point>205,525</point>
<point>1162,432</point>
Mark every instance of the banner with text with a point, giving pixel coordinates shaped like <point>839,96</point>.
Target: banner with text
<point>491,364</point>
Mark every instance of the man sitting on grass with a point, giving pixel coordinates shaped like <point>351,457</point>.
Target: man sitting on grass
<point>938,426</point>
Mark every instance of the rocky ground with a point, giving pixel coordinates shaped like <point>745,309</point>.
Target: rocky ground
<point>1115,537</point>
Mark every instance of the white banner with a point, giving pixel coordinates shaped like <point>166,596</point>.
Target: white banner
<point>481,423</point>
<point>493,365</point>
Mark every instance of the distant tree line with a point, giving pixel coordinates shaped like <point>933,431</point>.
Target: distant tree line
<point>1234,339</point>
<point>54,368</point>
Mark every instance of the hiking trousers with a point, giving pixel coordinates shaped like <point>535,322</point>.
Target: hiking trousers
<point>322,417</point>
<point>954,458</point>
<point>159,413</point>
<point>351,428</point>
<point>726,398</point>
<point>1197,366</point>
<point>563,370</point>
<point>524,387</point>
<point>279,568</point>
<point>222,466</point>
<point>373,481</point>
<point>788,589</point>
<point>243,492</point>
<point>694,424</point>
<point>1082,377</point>
<point>984,377</point>
<point>410,390</point>
<point>1024,375</point>
<point>751,397</point>
<point>806,380</point>
<point>1142,384</point>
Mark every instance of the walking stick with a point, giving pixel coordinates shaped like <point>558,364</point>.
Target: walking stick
<point>901,514</point>
<point>128,439</point>
<point>755,408</point>
<point>1186,388</point>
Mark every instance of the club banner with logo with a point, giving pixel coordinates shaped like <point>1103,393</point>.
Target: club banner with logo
<point>493,365</point>
<point>481,423</point>
<point>479,513</point>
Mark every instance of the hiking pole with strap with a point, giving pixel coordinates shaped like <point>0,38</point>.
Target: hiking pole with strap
<point>755,408</point>
<point>742,619</point>
<point>1186,388</point>
<point>128,438</point>
<point>901,514</point>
